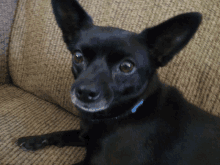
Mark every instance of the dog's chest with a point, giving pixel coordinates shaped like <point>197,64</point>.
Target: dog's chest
<point>128,145</point>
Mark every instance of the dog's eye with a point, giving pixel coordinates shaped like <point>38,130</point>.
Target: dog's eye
<point>126,67</point>
<point>78,57</point>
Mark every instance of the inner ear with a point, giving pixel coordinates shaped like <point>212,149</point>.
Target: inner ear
<point>169,37</point>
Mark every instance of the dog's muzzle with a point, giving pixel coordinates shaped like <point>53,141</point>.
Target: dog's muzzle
<point>92,100</point>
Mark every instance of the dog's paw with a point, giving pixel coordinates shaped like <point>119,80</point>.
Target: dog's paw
<point>32,143</point>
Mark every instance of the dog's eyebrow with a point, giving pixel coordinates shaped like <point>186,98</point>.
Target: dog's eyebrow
<point>88,51</point>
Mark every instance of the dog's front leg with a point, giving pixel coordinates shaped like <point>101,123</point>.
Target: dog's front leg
<point>60,139</point>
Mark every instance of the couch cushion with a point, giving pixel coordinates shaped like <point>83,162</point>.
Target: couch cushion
<point>23,114</point>
<point>7,10</point>
<point>40,63</point>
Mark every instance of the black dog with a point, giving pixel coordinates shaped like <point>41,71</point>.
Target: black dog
<point>128,116</point>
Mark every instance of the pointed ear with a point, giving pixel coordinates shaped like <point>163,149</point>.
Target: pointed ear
<point>168,38</point>
<point>71,18</point>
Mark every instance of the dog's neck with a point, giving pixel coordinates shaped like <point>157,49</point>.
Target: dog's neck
<point>153,85</point>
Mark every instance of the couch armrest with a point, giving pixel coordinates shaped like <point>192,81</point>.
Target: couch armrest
<point>7,10</point>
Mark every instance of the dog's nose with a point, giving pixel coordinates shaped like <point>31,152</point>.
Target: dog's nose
<point>87,93</point>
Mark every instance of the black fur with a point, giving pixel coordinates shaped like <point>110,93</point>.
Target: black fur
<point>128,116</point>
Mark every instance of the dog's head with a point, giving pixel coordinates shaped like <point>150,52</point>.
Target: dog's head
<point>113,67</point>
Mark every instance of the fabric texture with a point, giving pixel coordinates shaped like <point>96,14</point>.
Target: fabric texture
<point>22,114</point>
<point>39,102</point>
<point>7,10</point>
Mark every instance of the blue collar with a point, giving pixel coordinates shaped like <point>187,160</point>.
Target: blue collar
<point>133,110</point>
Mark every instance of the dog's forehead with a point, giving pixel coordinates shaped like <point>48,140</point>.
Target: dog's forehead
<point>113,43</point>
<point>105,32</point>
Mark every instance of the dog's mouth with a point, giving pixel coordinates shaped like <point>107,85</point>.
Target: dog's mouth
<point>99,105</point>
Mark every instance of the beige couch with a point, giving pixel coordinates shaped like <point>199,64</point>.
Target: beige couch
<point>37,99</point>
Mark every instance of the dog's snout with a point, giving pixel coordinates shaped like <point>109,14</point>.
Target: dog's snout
<point>87,93</point>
